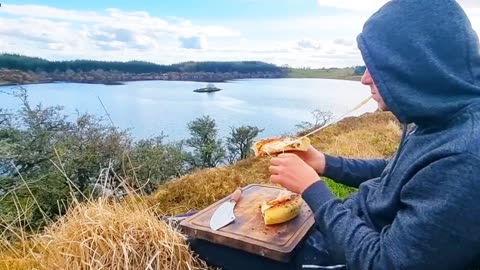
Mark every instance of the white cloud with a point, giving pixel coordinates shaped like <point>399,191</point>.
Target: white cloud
<point>309,44</point>
<point>112,29</point>
<point>469,3</point>
<point>198,42</point>
<point>344,42</point>
<point>114,34</point>
<point>40,31</point>
<point>132,20</point>
<point>49,12</point>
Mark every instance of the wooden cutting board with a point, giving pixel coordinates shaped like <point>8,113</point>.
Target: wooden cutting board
<point>248,232</point>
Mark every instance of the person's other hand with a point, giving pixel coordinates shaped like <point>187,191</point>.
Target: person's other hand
<point>314,158</point>
<point>291,172</point>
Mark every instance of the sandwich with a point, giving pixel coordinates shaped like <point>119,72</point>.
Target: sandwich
<point>275,146</point>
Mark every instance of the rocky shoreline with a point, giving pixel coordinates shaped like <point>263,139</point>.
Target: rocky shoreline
<point>16,77</point>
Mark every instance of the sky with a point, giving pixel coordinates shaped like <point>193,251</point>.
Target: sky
<point>297,33</point>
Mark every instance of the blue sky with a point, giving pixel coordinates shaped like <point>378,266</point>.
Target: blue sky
<point>300,33</point>
<point>208,10</point>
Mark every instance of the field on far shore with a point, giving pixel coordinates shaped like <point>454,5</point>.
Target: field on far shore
<point>324,73</point>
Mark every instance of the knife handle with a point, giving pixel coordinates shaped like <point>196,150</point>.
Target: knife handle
<point>236,195</point>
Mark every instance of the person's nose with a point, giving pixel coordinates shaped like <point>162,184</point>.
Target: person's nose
<point>367,78</point>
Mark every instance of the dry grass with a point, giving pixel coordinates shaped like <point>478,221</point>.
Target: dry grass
<point>130,235</point>
<point>202,188</point>
<point>20,258</point>
<point>106,235</point>
<point>371,136</point>
<point>114,236</point>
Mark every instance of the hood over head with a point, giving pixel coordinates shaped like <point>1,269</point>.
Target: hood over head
<point>424,58</point>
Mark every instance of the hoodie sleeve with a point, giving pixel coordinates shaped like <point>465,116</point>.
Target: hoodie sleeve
<point>437,228</point>
<point>353,172</point>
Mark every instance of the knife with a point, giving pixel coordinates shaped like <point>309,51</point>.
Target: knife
<point>224,213</point>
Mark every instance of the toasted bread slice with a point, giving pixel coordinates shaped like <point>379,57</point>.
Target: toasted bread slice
<point>274,146</point>
<point>285,207</point>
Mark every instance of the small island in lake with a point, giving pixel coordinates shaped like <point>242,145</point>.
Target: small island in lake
<point>210,88</point>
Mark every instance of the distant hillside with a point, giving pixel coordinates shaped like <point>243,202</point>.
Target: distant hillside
<point>349,73</point>
<point>35,64</point>
<point>19,69</point>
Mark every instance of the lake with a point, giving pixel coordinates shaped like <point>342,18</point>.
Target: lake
<point>150,107</point>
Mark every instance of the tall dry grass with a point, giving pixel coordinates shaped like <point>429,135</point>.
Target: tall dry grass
<point>104,235</point>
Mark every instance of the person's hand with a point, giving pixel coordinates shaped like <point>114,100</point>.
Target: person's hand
<point>314,158</point>
<point>291,172</point>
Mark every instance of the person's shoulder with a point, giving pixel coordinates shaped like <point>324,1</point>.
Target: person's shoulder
<point>464,132</point>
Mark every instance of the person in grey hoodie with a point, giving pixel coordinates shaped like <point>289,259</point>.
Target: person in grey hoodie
<point>421,208</point>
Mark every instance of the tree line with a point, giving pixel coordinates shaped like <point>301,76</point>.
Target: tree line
<point>35,64</point>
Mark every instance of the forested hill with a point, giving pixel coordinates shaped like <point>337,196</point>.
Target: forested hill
<point>19,69</point>
<point>35,64</point>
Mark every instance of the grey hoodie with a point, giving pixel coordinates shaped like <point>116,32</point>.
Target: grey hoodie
<point>421,209</point>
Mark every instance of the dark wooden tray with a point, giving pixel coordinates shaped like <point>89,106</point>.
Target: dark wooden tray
<point>248,232</point>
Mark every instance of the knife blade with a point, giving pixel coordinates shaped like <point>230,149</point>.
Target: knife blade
<point>224,215</point>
